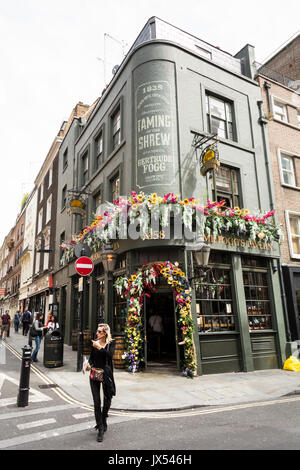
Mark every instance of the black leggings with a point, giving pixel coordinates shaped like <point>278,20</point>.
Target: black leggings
<point>95,388</point>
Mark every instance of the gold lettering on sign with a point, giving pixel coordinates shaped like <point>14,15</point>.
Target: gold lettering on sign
<point>239,242</point>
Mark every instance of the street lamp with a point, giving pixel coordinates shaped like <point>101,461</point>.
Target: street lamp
<point>108,258</point>
<point>201,253</point>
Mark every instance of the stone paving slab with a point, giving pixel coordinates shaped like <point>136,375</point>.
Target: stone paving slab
<point>162,391</point>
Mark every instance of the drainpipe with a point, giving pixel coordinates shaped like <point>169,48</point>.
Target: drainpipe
<point>267,87</point>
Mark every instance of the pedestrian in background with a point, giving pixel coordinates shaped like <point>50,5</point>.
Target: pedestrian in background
<point>101,366</point>
<point>52,324</point>
<point>5,324</point>
<point>17,318</point>
<point>26,320</point>
<point>36,332</point>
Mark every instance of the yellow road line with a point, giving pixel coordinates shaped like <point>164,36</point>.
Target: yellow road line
<point>155,415</point>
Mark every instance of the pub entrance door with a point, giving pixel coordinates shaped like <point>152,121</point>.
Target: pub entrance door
<point>161,348</point>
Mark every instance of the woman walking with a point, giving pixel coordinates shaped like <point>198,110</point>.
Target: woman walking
<point>101,367</point>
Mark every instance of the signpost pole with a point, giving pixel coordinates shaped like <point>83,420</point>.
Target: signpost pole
<point>80,334</point>
<point>84,267</point>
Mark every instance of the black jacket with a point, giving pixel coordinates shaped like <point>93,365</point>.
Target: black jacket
<point>96,360</point>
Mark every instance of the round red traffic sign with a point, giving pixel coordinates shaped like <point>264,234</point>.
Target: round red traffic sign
<point>84,266</point>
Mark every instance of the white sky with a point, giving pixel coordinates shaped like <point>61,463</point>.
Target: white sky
<point>48,62</point>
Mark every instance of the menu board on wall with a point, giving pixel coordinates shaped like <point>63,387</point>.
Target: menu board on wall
<point>155,132</point>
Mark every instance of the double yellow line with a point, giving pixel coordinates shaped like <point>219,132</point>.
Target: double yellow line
<point>150,414</point>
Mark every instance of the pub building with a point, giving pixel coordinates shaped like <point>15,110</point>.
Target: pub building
<point>172,95</point>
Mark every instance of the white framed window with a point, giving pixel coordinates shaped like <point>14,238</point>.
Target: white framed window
<point>40,221</point>
<point>298,117</point>
<point>49,205</point>
<point>287,169</point>
<point>293,229</point>
<point>220,117</point>
<point>37,262</point>
<point>50,177</point>
<point>41,192</point>
<point>279,110</point>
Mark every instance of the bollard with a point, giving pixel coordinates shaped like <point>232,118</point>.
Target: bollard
<point>24,377</point>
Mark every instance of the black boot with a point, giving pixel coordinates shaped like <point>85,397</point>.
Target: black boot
<point>100,433</point>
<point>104,423</point>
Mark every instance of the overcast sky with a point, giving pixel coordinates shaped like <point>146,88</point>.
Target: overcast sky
<point>49,60</point>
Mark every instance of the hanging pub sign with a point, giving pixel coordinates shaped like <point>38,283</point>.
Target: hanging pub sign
<point>209,159</point>
<point>76,206</point>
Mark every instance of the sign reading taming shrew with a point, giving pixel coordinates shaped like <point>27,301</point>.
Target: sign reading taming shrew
<point>155,138</point>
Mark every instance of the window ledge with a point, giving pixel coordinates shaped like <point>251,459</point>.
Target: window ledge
<point>286,124</point>
<point>289,186</point>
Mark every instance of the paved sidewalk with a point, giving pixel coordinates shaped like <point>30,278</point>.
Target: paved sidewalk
<point>155,390</point>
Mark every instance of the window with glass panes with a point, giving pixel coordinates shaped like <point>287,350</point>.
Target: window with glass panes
<point>97,201</point>
<point>255,277</point>
<point>226,186</point>
<point>85,168</point>
<point>116,128</point>
<point>294,231</point>
<point>100,300</point>
<point>119,313</point>
<point>214,298</point>
<point>220,117</point>
<point>279,111</point>
<point>115,188</point>
<point>287,168</point>
<point>99,150</point>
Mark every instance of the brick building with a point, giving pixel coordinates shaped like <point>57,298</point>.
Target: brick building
<point>281,105</point>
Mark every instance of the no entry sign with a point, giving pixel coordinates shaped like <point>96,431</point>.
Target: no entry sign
<point>84,266</point>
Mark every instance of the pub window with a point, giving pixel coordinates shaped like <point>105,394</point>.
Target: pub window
<point>85,168</point>
<point>115,188</point>
<point>226,186</point>
<point>116,128</point>
<point>100,300</point>
<point>119,313</point>
<point>214,301</point>
<point>220,117</point>
<point>97,201</point>
<point>257,293</point>
<point>98,150</point>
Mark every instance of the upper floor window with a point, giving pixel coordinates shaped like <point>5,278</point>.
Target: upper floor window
<point>49,204</point>
<point>226,186</point>
<point>41,192</point>
<point>85,168</point>
<point>279,110</point>
<point>98,150</point>
<point>293,228</point>
<point>97,201</point>
<point>220,117</point>
<point>287,169</point>
<point>116,128</point>
<point>115,187</point>
<point>65,159</point>
<point>64,197</point>
<point>40,221</point>
<point>50,177</point>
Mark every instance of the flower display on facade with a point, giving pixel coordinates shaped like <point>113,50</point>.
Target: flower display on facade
<point>215,220</point>
<point>141,284</point>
